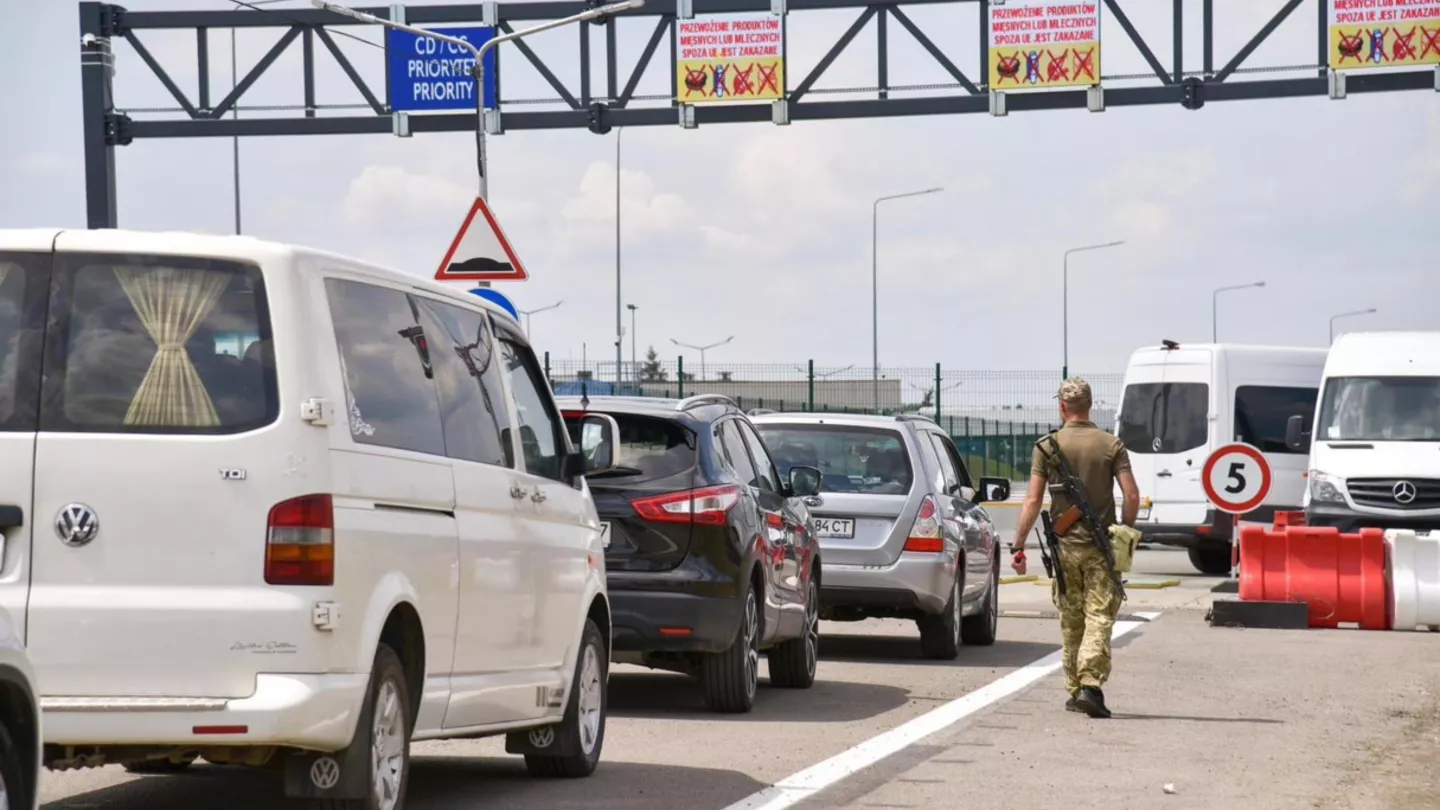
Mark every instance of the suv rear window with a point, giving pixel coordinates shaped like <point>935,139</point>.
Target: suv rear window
<point>648,449</point>
<point>851,459</point>
<point>152,344</point>
<point>1164,418</point>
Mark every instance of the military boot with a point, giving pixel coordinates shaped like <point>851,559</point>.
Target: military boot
<point>1092,701</point>
<point>1072,705</point>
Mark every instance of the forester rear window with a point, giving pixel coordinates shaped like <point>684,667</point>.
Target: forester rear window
<point>852,459</point>
<point>649,448</point>
<point>158,344</point>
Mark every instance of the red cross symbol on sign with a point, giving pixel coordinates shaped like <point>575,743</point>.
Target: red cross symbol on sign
<point>1350,46</point>
<point>1085,63</point>
<point>1056,70</point>
<point>1432,41</point>
<point>1404,45</point>
<point>695,81</point>
<point>742,81</point>
<point>1009,68</point>
<point>768,79</point>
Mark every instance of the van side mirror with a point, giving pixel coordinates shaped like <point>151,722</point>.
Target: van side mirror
<point>1297,437</point>
<point>804,481</point>
<point>994,490</point>
<point>598,436</point>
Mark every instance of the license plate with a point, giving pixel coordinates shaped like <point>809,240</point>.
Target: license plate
<point>834,527</point>
<point>605,532</point>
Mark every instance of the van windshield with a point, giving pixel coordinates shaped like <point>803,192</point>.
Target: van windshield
<point>873,461</point>
<point>1164,418</point>
<point>1380,409</point>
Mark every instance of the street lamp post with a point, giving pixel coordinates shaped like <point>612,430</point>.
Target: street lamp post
<point>1334,318</point>
<point>634,373</point>
<point>1065,298</point>
<point>528,312</point>
<point>702,350</point>
<point>235,109</point>
<point>875,286</point>
<point>1215,307</point>
<point>478,71</point>
<point>619,326</point>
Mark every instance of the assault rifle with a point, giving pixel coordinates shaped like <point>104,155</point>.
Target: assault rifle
<point>1079,503</point>
<point>1050,550</point>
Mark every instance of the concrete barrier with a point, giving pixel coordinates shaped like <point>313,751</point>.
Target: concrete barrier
<point>1414,579</point>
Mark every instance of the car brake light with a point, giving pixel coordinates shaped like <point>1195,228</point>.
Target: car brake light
<point>925,534</point>
<point>300,542</point>
<point>709,505</point>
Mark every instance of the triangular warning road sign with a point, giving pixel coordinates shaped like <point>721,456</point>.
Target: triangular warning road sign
<point>480,251</point>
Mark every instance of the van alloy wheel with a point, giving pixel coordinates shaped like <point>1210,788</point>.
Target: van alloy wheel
<point>387,746</point>
<point>590,701</point>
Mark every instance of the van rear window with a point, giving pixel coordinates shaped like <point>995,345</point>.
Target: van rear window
<point>152,344</point>
<point>1164,418</point>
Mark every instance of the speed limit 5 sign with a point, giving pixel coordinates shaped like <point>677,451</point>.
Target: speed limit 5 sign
<point>1236,478</point>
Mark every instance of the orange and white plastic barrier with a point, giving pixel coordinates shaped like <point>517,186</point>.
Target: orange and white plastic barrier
<point>1414,578</point>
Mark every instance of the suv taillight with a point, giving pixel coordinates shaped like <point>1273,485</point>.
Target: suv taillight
<point>300,542</point>
<point>709,505</point>
<point>925,534</point>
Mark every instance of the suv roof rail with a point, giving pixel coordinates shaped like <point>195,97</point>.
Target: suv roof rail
<point>704,399</point>
<point>907,417</point>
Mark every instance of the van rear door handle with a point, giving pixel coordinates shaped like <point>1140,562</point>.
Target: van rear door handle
<point>1164,474</point>
<point>11,515</point>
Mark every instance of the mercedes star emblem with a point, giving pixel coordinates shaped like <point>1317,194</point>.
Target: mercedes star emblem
<point>77,524</point>
<point>1404,491</point>
<point>1155,445</point>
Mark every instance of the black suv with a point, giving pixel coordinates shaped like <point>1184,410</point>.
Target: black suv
<point>710,556</point>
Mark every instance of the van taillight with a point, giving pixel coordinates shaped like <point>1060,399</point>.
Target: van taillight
<point>709,506</point>
<point>300,543</point>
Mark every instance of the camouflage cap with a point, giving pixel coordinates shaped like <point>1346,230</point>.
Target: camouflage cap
<point>1074,391</point>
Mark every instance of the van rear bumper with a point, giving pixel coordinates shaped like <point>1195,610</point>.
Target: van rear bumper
<point>316,712</point>
<point>1218,528</point>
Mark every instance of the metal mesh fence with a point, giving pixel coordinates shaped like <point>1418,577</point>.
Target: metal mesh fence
<point>994,416</point>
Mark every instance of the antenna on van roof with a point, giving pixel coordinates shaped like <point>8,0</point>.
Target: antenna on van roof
<point>1169,344</point>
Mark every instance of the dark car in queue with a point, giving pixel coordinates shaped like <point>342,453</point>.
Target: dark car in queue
<point>710,556</point>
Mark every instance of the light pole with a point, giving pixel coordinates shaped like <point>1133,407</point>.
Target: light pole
<point>528,312</point>
<point>478,71</point>
<point>633,361</point>
<point>1334,318</point>
<point>1065,305</point>
<point>619,327</point>
<point>875,286</point>
<point>1215,307</point>
<point>235,110</point>
<point>702,350</point>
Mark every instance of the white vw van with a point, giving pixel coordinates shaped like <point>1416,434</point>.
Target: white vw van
<point>1182,402</point>
<point>1375,451</point>
<point>269,505</point>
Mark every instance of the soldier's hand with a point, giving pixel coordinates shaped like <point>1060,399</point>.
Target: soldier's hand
<point>1017,562</point>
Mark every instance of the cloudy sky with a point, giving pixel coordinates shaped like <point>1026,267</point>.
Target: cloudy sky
<point>763,232</point>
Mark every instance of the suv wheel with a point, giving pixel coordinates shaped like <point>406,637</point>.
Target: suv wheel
<point>793,663</point>
<point>940,635</point>
<point>388,719</point>
<point>583,728</point>
<point>731,677</point>
<point>980,630</point>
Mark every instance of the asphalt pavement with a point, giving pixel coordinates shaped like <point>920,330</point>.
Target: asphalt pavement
<point>1253,718</point>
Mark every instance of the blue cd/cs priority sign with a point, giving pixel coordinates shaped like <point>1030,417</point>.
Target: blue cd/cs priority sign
<point>425,74</point>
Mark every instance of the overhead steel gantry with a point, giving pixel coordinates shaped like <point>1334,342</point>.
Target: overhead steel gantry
<point>106,126</point>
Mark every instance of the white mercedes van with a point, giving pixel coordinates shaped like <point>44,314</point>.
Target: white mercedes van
<point>276,506</point>
<point>1182,402</point>
<point>1375,442</point>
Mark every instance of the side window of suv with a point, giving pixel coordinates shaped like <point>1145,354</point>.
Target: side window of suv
<point>766,478</point>
<point>541,440</point>
<point>391,398</point>
<point>946,448</point>
<point>732,447</point>
<point>947,463</point>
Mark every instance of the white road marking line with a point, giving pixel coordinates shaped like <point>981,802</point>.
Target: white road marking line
<point>797,787</point>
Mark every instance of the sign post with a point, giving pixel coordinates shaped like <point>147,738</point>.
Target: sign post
<point>1236,478</point>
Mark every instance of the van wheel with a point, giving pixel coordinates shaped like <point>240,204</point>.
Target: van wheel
<point>160,766</point>
<point>583,728</point>
<point>15,790</point>
<point>981,629</point>
<point>793,663</point>
<point>1212,560</point>
<point>388,717</point>
<point>940,635</point>
<point>731,677</point>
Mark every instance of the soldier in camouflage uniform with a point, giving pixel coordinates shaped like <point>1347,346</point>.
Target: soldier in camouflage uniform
<point>1091,601</point>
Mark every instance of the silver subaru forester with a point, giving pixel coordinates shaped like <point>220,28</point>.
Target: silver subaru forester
<point>899,521</point>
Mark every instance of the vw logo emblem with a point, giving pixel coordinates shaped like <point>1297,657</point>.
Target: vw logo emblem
<point>325,773</point>
<point>77,524</point>
<point>1404,492</point>
<point>542,737</point>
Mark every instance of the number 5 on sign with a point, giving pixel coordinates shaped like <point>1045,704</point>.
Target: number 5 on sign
<point>1236,478</point>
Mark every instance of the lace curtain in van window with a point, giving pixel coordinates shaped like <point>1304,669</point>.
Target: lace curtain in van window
<point>171,304</point>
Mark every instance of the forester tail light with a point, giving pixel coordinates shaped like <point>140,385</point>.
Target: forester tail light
<point>709,505</point>
<point>925,534</point>
<point>300,542</point>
